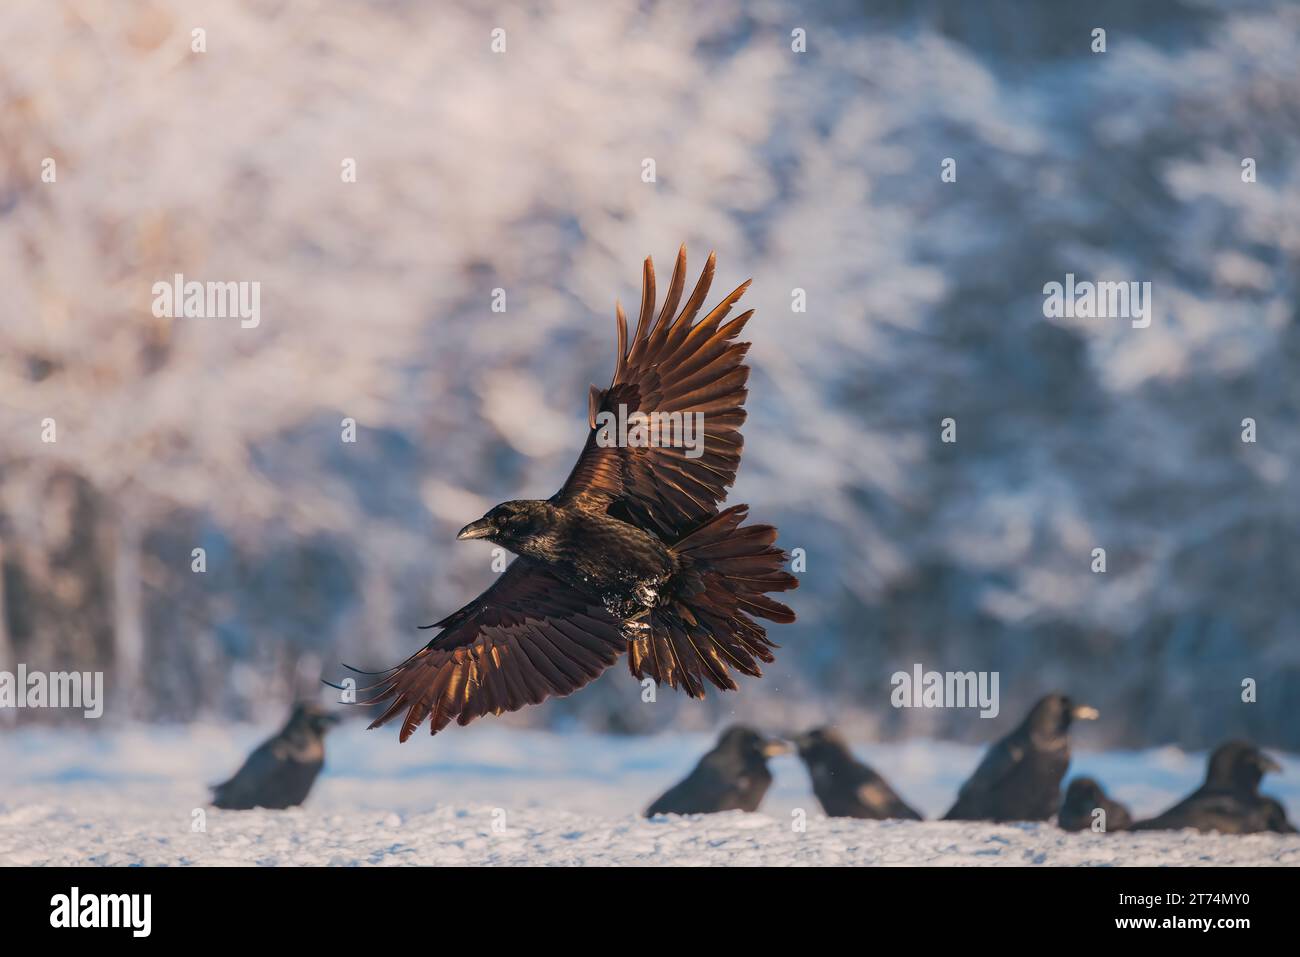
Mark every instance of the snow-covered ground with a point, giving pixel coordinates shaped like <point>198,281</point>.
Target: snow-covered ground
<point>495,794</point>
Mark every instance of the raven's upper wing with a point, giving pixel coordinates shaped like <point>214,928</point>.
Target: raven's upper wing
<point>1198,808</point>
<point>703,791</point>
<point>673,365</point>
<point>528,637</point>
<point>1205,810</point>
<point>993,770</point>
<point>1275,817</point>
<point>874,792</point>
<point>242,790</point>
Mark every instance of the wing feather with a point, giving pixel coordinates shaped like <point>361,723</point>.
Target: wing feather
<point>672,364</point>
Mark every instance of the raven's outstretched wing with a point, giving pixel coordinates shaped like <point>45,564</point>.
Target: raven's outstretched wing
<point>525,639</point>
<point>672,364</point>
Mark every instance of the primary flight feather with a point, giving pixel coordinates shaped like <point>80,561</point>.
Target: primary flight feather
<point>631,555</point>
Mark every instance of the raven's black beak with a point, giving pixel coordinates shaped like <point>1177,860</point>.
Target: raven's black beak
<point>480,529</point>
<point>1267,764</point>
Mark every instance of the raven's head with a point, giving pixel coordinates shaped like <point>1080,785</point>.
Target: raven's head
<point>1238,766</point>
<point>1052,716</point>
<point>309,718</point>
<point>517,525</point>
<point>1083,795</point>
<point>743,747</point>
<point>823,747</point>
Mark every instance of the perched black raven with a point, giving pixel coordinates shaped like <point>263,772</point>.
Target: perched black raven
<point>632,553</point>
<point>1229,801</point>
<point>845,787</point>
<point>282,770</point>
<point>731,777</point>
<point>1020,777</point>
<point>1083,798</point>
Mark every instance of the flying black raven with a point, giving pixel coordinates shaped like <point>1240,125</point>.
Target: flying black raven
<point>1020,776</point>
<point>1083,798</point>
<point>1229,801</point>
<point>731,777</point>
<point>282,770</point>
<point>631,554</point>
<point>844,786</point>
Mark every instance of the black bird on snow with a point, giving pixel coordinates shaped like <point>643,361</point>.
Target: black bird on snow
<point>631,554</point>
<point>1229,801</point>
<point>282,770</point>
<point>1083,798</point>
<point>845,787</point>
<point>1020,776</point>
<point>731,777</point>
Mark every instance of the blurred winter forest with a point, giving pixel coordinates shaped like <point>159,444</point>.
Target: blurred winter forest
<point>522,171</point>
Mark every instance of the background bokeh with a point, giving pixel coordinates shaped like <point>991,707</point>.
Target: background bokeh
<point>522,171</point>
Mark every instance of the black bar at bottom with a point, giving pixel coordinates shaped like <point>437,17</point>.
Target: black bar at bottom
<point>335,906</point>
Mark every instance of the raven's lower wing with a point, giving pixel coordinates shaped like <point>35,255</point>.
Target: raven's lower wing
<point>525,639</point>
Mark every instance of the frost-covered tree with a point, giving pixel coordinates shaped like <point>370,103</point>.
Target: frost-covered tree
<point>900,188</point>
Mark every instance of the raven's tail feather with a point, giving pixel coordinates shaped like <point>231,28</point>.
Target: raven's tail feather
<point>705,629</point>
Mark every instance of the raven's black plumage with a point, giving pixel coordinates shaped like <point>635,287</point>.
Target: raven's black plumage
<point>845,787</point>
<point>630,555</point>
<point>1229,801</point>
<point>1020,776</point>
<point>282,770</point>
<point>1083,798</point>
<point>731,777</point>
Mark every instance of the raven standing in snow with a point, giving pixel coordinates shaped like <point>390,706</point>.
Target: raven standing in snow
<point>845,787</point>
<point>1229,801</point>
<point>731,777</point>
<point>631,555</point>
<point>282,770</point>
<point>1082,799</point>
<point>1020,777</point>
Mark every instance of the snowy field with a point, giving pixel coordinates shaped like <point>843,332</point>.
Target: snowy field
<point>492,794</point>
